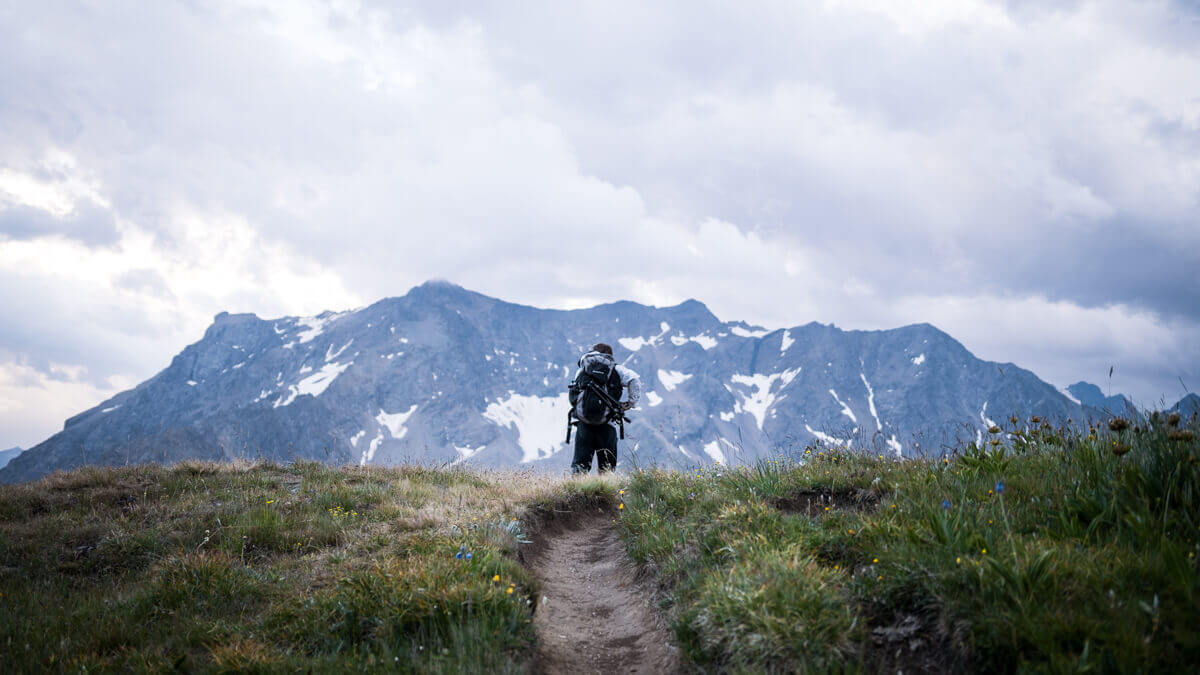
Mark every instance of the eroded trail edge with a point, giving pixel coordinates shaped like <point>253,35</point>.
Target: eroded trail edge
<point>593,614</point>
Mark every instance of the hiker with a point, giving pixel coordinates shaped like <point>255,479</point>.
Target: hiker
<point>597,408</point>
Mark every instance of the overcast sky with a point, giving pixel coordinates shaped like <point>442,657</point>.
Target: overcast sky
<point>1023,175</point>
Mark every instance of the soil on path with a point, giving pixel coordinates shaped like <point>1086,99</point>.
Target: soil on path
<point>594,615</point>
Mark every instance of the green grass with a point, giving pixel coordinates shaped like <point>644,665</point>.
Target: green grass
<point>1045,550</point>
<point>267,568</point>
<point>825,561</point>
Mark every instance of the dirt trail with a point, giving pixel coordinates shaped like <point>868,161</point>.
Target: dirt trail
<point>593,615</point>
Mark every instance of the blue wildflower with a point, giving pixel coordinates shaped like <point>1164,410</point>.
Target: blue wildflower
<point>458,556</point>
<point>468,555</point>
<point>945,503</point>
<point>999,486</point>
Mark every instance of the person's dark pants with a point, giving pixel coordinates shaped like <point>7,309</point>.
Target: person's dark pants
<point>595,439</point>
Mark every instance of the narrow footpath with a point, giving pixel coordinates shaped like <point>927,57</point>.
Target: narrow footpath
<point>593,615</point>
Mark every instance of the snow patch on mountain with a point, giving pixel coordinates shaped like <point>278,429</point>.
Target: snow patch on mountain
<point>871,402</point>
<point>987,422</point>
<point>466,452</point>
<point>653,398</point>
<point>713,450</point>
<point>703,340</point>
<point>315,384</point>
<point>919,359</point>
<point>369,454</point>
<point>635,343</point>
<point>845,408</point>
<point>538,421</point>
<point>357,437</point>
<point>895,445</point>
<point>318,382</point>
<point>742,332</point>
<point>315,325</point>
<point>108,410</point>
<point>672,378</point>
<point>1070,398</point>
<point>331,355</point>
<point>786,342</point>
<point>762,398</point>
<point>394,422</point>
<point>827,438</point>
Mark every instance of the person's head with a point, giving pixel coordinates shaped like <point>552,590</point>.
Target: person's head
<point>602,348</point>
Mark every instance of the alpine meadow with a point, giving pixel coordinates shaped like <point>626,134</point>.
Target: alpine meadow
<point>582,338</point>
<point>1023,554</point>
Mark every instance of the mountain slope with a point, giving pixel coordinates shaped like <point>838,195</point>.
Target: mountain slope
<point>1091,396</point>
<point>445,375</point>
<point>1188,405</point>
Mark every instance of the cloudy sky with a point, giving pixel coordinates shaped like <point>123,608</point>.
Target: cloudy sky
<point>1024,175</point>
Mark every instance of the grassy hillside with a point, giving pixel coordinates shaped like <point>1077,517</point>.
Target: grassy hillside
<point>264,567</point>
<point>1044,550</point>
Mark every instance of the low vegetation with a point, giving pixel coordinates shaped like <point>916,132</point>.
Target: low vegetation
<point>1045,549</point>
<point>221,568</point>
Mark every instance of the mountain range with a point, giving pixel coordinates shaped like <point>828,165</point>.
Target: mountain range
<point>445,375</point>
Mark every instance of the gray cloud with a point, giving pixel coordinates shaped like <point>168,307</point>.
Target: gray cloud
<point>91,224</point>
<point>783,163</point>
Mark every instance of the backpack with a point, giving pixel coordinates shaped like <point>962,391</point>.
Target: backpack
<point>596,390</point>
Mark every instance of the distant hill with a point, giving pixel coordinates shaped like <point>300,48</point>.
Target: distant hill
<point>1091,396</point>
<point>1188,405</point>
<point>7,455</point>
<point>446,375</point>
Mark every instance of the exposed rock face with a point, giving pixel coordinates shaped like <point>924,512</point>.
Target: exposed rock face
<point>445,375</point>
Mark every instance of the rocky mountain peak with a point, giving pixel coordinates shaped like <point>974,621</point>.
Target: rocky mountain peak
<point>446,375</point>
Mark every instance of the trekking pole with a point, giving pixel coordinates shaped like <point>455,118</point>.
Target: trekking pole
<point>570,413</point>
